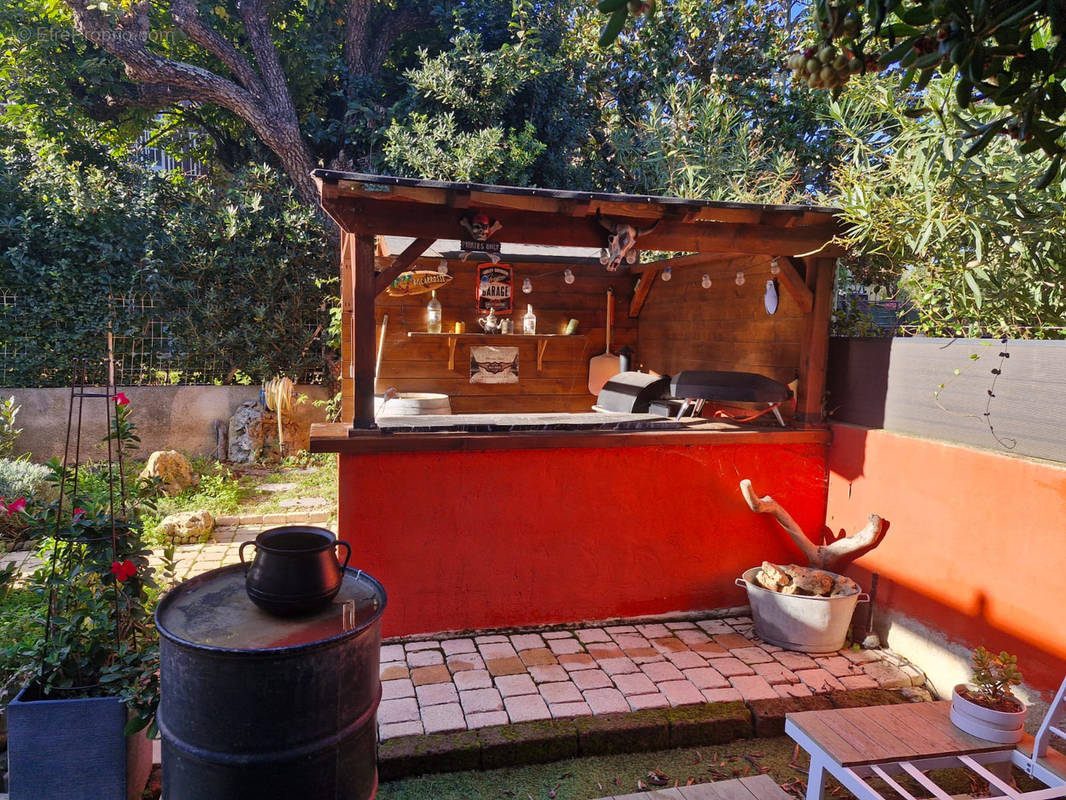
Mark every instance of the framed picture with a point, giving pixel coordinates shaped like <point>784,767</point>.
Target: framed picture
<point>494,290</point>
<point>493,364</point>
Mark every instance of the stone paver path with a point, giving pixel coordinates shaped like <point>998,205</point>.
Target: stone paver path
<point>468,682</point>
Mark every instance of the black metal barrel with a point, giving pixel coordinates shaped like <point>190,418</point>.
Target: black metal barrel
<point>258,706</point>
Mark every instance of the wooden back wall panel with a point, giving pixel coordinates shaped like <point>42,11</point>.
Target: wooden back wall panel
<point>420,364</point>
<point>726,327</point>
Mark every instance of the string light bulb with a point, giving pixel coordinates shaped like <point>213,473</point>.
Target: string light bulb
<point>740,278</point>
<point>705,281</point>
<point>527,286</point>
<point>775,267</point>
<point>667,274</point>
<point>568,276</point>
<point>442,267</point>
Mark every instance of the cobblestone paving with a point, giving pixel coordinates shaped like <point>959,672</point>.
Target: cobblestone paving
<point>454,684</point>
<point>468,682</point>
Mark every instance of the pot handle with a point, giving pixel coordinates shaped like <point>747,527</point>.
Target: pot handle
<point>863,598</point>
<point>240,552</point>
<point>743,584</point>
<point>347,554</point>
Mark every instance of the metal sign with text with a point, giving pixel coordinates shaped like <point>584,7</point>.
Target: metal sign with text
<point>494,288</point>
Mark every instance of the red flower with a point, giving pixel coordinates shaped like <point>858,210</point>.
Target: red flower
<point>78,512</point>
<point>15,506</point>
<point>124,571</point>
<point>121,399</point>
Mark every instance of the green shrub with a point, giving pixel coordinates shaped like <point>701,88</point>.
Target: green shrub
<point>20,478</point>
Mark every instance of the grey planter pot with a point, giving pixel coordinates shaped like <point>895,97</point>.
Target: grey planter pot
<point>68,748</point>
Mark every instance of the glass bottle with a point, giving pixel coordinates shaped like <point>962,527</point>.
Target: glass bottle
<point>529,320</point>
<point>433,314</point>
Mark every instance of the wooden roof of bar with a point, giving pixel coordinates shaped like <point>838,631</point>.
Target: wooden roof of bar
<point>386,205</point>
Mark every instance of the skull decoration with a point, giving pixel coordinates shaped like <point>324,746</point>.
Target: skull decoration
<point>480,226</point>
<point>621,242</point>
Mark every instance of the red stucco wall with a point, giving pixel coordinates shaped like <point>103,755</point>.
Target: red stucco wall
<point>516,537</point>
<point>977,544</point>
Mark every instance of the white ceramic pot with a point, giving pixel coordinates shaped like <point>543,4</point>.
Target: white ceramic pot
<point>1004,727</point>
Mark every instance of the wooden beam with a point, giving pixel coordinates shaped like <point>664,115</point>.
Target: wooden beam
<point>679,262</point>
<point>363,344</point>
<point>641,292</point>
<point>794,284</point>
<point>402,262</point>
<point>815,347</point>
<point>528,227</point>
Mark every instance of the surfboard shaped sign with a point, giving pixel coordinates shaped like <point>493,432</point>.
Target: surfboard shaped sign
<point>494,290</point>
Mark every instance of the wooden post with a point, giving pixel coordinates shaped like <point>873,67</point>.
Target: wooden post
<point>363,329</point>
<point>815,347</point>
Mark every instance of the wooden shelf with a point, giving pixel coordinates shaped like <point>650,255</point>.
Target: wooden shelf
<point>496,339</point>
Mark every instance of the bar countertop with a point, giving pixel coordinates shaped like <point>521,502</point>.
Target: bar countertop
<point>339,437</point>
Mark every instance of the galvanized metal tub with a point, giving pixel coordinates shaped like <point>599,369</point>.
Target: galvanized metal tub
<point>258,706</point>
<point>796,622</point>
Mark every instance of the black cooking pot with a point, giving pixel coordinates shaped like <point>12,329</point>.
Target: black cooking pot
<point>295,570</point>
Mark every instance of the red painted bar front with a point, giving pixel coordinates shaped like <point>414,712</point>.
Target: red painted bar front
<point>510,537</point>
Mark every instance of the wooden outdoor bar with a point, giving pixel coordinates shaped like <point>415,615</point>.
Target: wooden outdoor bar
<point>496,522</point>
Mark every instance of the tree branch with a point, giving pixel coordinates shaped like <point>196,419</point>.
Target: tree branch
<point>126,38</point>
<point>187,18</point>
<point>150,96</point>
<point>404,20</point>
<point>253,15</point>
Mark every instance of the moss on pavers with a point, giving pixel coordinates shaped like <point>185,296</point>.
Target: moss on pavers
<point>769,715</point>
<point>528,743</point>
<point>857,698</point>
<point>434,752</point>
<point>630,732</point>
<point>713,723</point>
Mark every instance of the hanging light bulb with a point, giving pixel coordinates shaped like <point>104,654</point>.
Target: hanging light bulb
<point>705,281</point>
<point>442,267</point>
<point>527,286</point>
<point>667,275</point>
<point>568,276</point>
<point>775,267</point>
<point>740,278</point>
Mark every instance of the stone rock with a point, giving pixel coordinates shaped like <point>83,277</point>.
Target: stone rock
<point>253,435</point>
<point>188,527</point>
<point>173,470</point>
<point>916,694</point>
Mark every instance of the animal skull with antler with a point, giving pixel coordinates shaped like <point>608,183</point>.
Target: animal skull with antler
<point>621,242</point>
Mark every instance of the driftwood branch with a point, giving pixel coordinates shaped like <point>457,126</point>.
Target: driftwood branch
<point>835,556</point>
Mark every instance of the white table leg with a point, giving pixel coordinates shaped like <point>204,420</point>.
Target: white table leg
<point>816,777</point>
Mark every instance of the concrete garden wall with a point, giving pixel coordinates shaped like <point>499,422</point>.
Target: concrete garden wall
<point>975,553</point>
<point>167,417</point>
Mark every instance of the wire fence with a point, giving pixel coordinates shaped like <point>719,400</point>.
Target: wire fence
<point>146,353</point>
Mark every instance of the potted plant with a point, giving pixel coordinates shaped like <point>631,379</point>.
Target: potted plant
<point>91,679</point>
<point>986,707</point>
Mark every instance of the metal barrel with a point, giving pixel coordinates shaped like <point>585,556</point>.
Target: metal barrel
<point>256,706</point>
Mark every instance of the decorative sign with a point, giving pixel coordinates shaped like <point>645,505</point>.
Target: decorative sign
<point>471,246</point>
<point>493,364</point>
<point>494,288</point>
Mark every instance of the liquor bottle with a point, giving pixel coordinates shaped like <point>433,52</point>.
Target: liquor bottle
<point>529,320</point>
<point>433,314</point>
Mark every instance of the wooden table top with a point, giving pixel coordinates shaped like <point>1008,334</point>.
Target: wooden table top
<point>880,734</point>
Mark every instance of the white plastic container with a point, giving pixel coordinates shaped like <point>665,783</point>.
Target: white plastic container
<point>796,622</point>
<point>1004,727</point>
